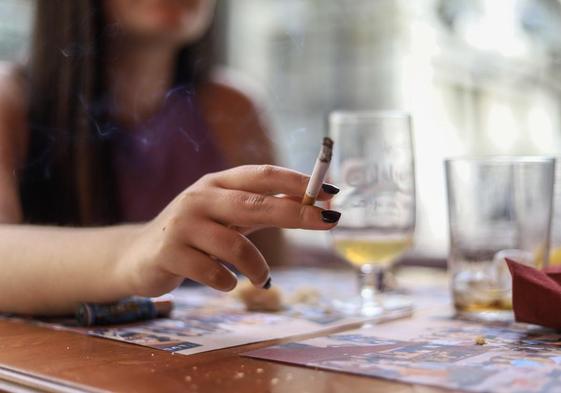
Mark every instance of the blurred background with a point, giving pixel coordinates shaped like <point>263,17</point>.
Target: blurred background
<point>478,76</point>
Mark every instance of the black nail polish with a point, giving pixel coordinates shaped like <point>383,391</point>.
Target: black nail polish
<point>330,216</point>
<point>329,188</point>
<point>267,285</point>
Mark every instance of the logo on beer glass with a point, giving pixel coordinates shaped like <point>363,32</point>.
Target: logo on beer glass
<point>384,190</point>
<point>379,176</point>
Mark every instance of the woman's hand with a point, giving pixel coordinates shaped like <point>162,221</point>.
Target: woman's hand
<point>206,224</point>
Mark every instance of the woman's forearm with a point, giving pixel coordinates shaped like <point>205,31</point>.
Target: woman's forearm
<point>49,270</point>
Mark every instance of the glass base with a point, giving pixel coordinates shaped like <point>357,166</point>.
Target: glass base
<point>385,308</point>
<point>487,316</point>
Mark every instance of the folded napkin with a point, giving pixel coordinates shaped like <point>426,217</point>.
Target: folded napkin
<point>536,294</point>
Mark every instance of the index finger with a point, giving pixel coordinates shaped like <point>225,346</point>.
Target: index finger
<point>270,180</point>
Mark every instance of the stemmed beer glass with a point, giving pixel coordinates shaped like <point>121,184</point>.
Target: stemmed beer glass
<point>373,163</point>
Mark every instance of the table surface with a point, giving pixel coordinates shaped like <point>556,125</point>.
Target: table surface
<point>49,360</point>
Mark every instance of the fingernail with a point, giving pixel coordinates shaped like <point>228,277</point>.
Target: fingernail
<point>267,284</point>
<point>330,216</point>
<point>329,188</point>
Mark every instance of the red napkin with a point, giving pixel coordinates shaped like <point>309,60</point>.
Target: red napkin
<point>536,294</point>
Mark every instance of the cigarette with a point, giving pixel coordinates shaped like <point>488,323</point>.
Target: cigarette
<point>125,311</point>
<point>319,172</point>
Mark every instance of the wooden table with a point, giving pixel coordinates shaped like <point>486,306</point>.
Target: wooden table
<point>47,360</point>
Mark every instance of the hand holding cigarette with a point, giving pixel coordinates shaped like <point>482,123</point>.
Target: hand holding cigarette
<point>200,228</point>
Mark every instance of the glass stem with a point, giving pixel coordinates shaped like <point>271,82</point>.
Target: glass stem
<point>368,284</point>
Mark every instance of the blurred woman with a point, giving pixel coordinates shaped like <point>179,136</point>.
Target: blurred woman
<point>119,119</point>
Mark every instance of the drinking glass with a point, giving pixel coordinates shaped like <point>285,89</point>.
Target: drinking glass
<point>373,163</point>
<point>498,207</point>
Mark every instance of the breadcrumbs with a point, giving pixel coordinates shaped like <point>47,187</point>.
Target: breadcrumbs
<point>305,295</point>
<point>258,299</point>
<point>480,340</point>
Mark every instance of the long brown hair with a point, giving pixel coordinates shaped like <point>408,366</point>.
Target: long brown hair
<point>68,177</point>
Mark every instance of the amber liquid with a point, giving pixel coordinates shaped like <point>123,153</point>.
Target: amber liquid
<point>475,293</point>
<point>374,249</point>
<point>555,257</point>
<point>495,302</point>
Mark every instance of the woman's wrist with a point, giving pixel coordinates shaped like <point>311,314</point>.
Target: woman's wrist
<point>125,275</point>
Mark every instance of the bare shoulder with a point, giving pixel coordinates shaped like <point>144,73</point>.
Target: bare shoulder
<point>13,139</point>
<point>13,111</point>
<point>234,109</point>
<point>12,85</point>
